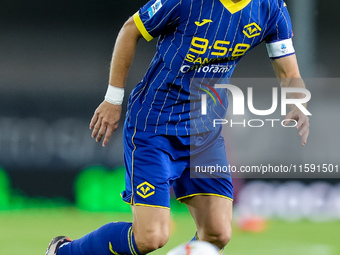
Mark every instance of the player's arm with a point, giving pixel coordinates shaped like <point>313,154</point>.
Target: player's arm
<point>106,117</point>
<point>287,70</point>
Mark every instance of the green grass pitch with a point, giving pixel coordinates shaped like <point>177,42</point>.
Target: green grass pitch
<point>29,231</point>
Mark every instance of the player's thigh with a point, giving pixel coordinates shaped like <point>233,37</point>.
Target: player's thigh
<point>151,227</point>
<point>212,215</point>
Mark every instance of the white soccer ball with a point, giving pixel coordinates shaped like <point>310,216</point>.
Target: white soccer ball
<point>195,248</point>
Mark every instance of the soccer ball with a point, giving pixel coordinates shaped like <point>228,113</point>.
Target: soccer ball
<point>195,248</point>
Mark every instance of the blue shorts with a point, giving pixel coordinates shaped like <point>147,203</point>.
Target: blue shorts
<point>155,162</point>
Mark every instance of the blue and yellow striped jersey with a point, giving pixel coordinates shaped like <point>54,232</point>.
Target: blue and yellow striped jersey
<point>199,42</point>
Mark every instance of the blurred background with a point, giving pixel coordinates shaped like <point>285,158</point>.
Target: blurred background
<point>54,65</point>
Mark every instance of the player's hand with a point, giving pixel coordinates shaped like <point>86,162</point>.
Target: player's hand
<point>105,120</point>
<point>302,123</point>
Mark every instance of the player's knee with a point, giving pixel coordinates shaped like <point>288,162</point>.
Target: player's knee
<point>225,238</point>
<point>152,240</point>
<point>220,240</point>
<point>219,237</point>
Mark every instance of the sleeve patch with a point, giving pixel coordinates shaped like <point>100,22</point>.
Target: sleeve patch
<point>280,48</point>
<point>154,8</point>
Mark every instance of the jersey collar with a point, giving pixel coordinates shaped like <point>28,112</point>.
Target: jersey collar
<point>234,7</point>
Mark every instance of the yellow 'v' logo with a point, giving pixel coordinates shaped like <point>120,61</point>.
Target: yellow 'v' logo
<point>145,190</point>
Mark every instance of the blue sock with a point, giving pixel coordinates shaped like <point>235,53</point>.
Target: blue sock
<point>195,238</point>
<point>112,238</point>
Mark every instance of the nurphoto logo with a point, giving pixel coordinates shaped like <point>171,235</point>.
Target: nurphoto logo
<point>239,105</point>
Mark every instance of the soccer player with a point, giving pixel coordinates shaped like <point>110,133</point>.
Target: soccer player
<point>165,132</point>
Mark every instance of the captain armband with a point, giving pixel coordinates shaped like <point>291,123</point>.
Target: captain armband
<point>280,49</point>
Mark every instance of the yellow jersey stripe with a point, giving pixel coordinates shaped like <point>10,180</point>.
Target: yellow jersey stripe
<point>141,27</point>
<point>235,7</point>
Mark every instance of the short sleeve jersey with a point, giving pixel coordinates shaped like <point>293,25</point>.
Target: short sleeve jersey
<point>199,41</point>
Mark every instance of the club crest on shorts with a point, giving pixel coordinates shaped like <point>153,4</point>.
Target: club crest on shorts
<point>145,190</point>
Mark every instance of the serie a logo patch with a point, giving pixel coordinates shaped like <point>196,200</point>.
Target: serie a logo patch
<point>154,8</point>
